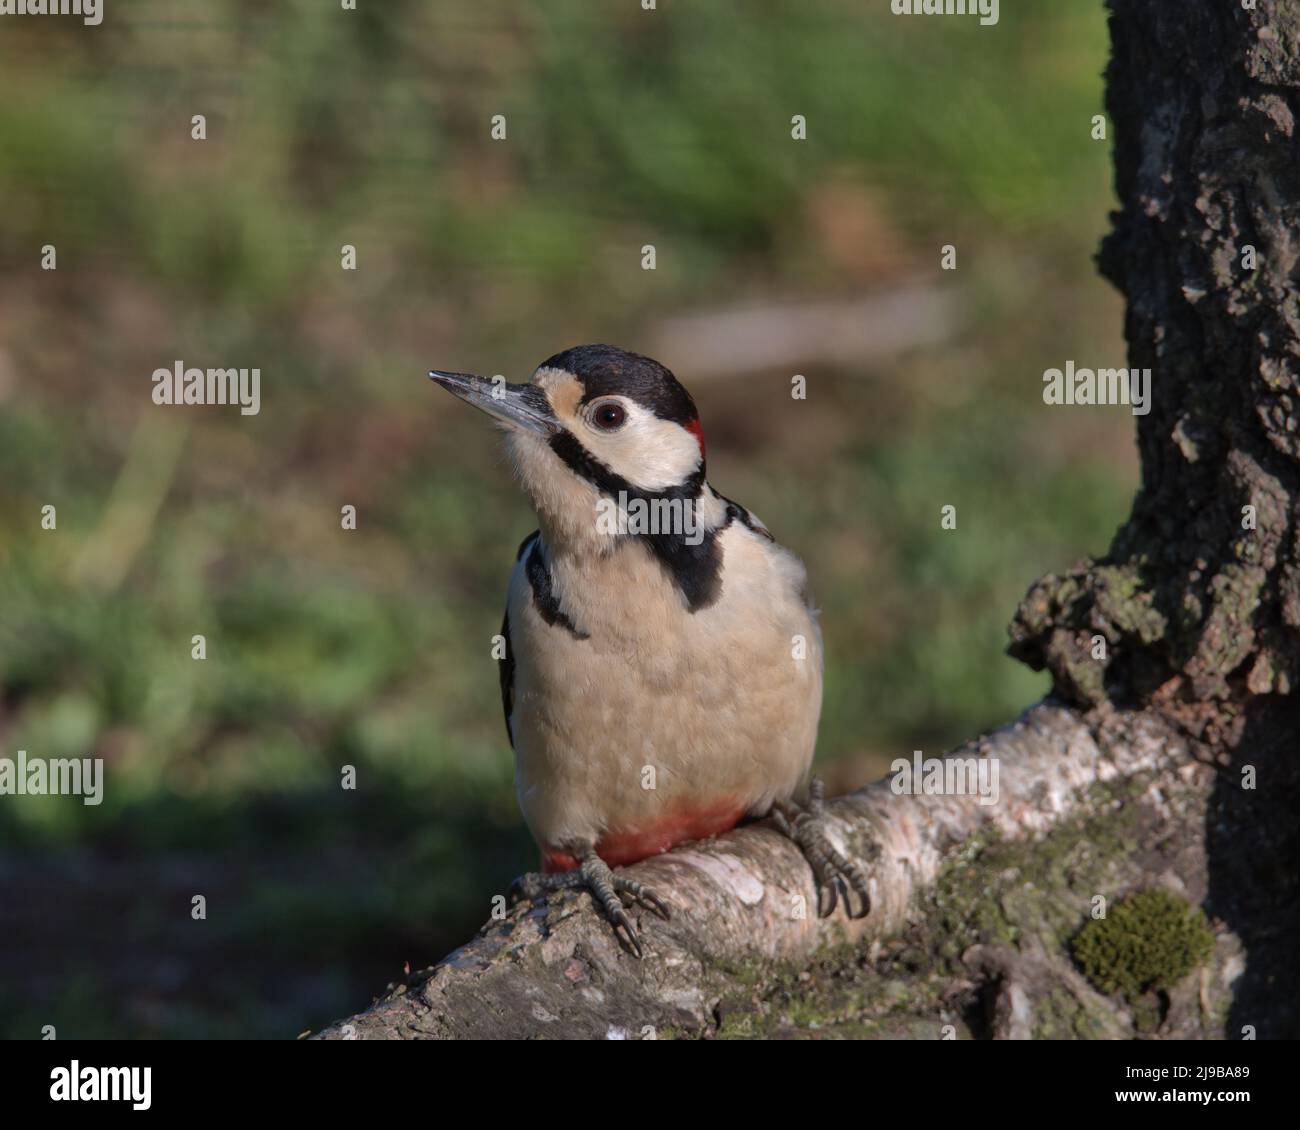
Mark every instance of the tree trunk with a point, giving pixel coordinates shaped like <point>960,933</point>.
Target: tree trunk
<point>1198,600</point>
<point>1169,755</point>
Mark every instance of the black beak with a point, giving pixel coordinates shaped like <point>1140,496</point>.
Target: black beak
<point>520,406</point>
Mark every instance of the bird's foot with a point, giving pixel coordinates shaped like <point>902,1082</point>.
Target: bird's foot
<point>613,892</point>
<point>831,867</point>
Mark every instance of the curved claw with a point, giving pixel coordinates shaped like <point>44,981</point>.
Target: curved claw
<point>830,867</point>
<point>625,931</point>
<point>857,882</point>
<point>826,906</point>
<point>611,892</point>
<point>633,892</point>
<point>657,904</point>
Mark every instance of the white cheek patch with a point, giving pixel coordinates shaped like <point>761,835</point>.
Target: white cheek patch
<point>650,453</point>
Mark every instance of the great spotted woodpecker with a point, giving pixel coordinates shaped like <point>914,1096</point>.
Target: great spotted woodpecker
<point>662,675</point>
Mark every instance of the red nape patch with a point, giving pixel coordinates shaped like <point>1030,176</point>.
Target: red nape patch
<point>619,848</point>
<point>694,428</point>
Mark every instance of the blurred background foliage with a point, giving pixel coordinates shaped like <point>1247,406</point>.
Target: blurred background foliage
<point>372,648</point>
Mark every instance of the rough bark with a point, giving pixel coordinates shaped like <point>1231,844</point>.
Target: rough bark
<point>1198,598</point>
<point>1169,756</point>
<point>1193,606</point>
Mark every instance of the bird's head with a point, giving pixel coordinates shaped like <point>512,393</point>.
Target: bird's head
<point>594,421</point>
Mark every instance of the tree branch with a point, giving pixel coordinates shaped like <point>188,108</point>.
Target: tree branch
<point>745,902</point>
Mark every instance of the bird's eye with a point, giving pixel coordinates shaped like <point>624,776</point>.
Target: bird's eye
<point>609,416</point>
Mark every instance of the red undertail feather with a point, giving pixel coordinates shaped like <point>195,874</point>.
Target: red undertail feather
<point>619,848</point>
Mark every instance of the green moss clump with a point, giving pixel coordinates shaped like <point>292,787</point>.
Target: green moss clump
<point>1150,940</point>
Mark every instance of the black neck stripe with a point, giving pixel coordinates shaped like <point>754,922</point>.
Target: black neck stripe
<point>544,598</point>
<point>696,570</point>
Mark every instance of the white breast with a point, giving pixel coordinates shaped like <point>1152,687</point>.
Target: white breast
<point>706,706</point>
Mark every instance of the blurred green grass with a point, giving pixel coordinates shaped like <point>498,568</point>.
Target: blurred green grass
<point>372,648</point>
